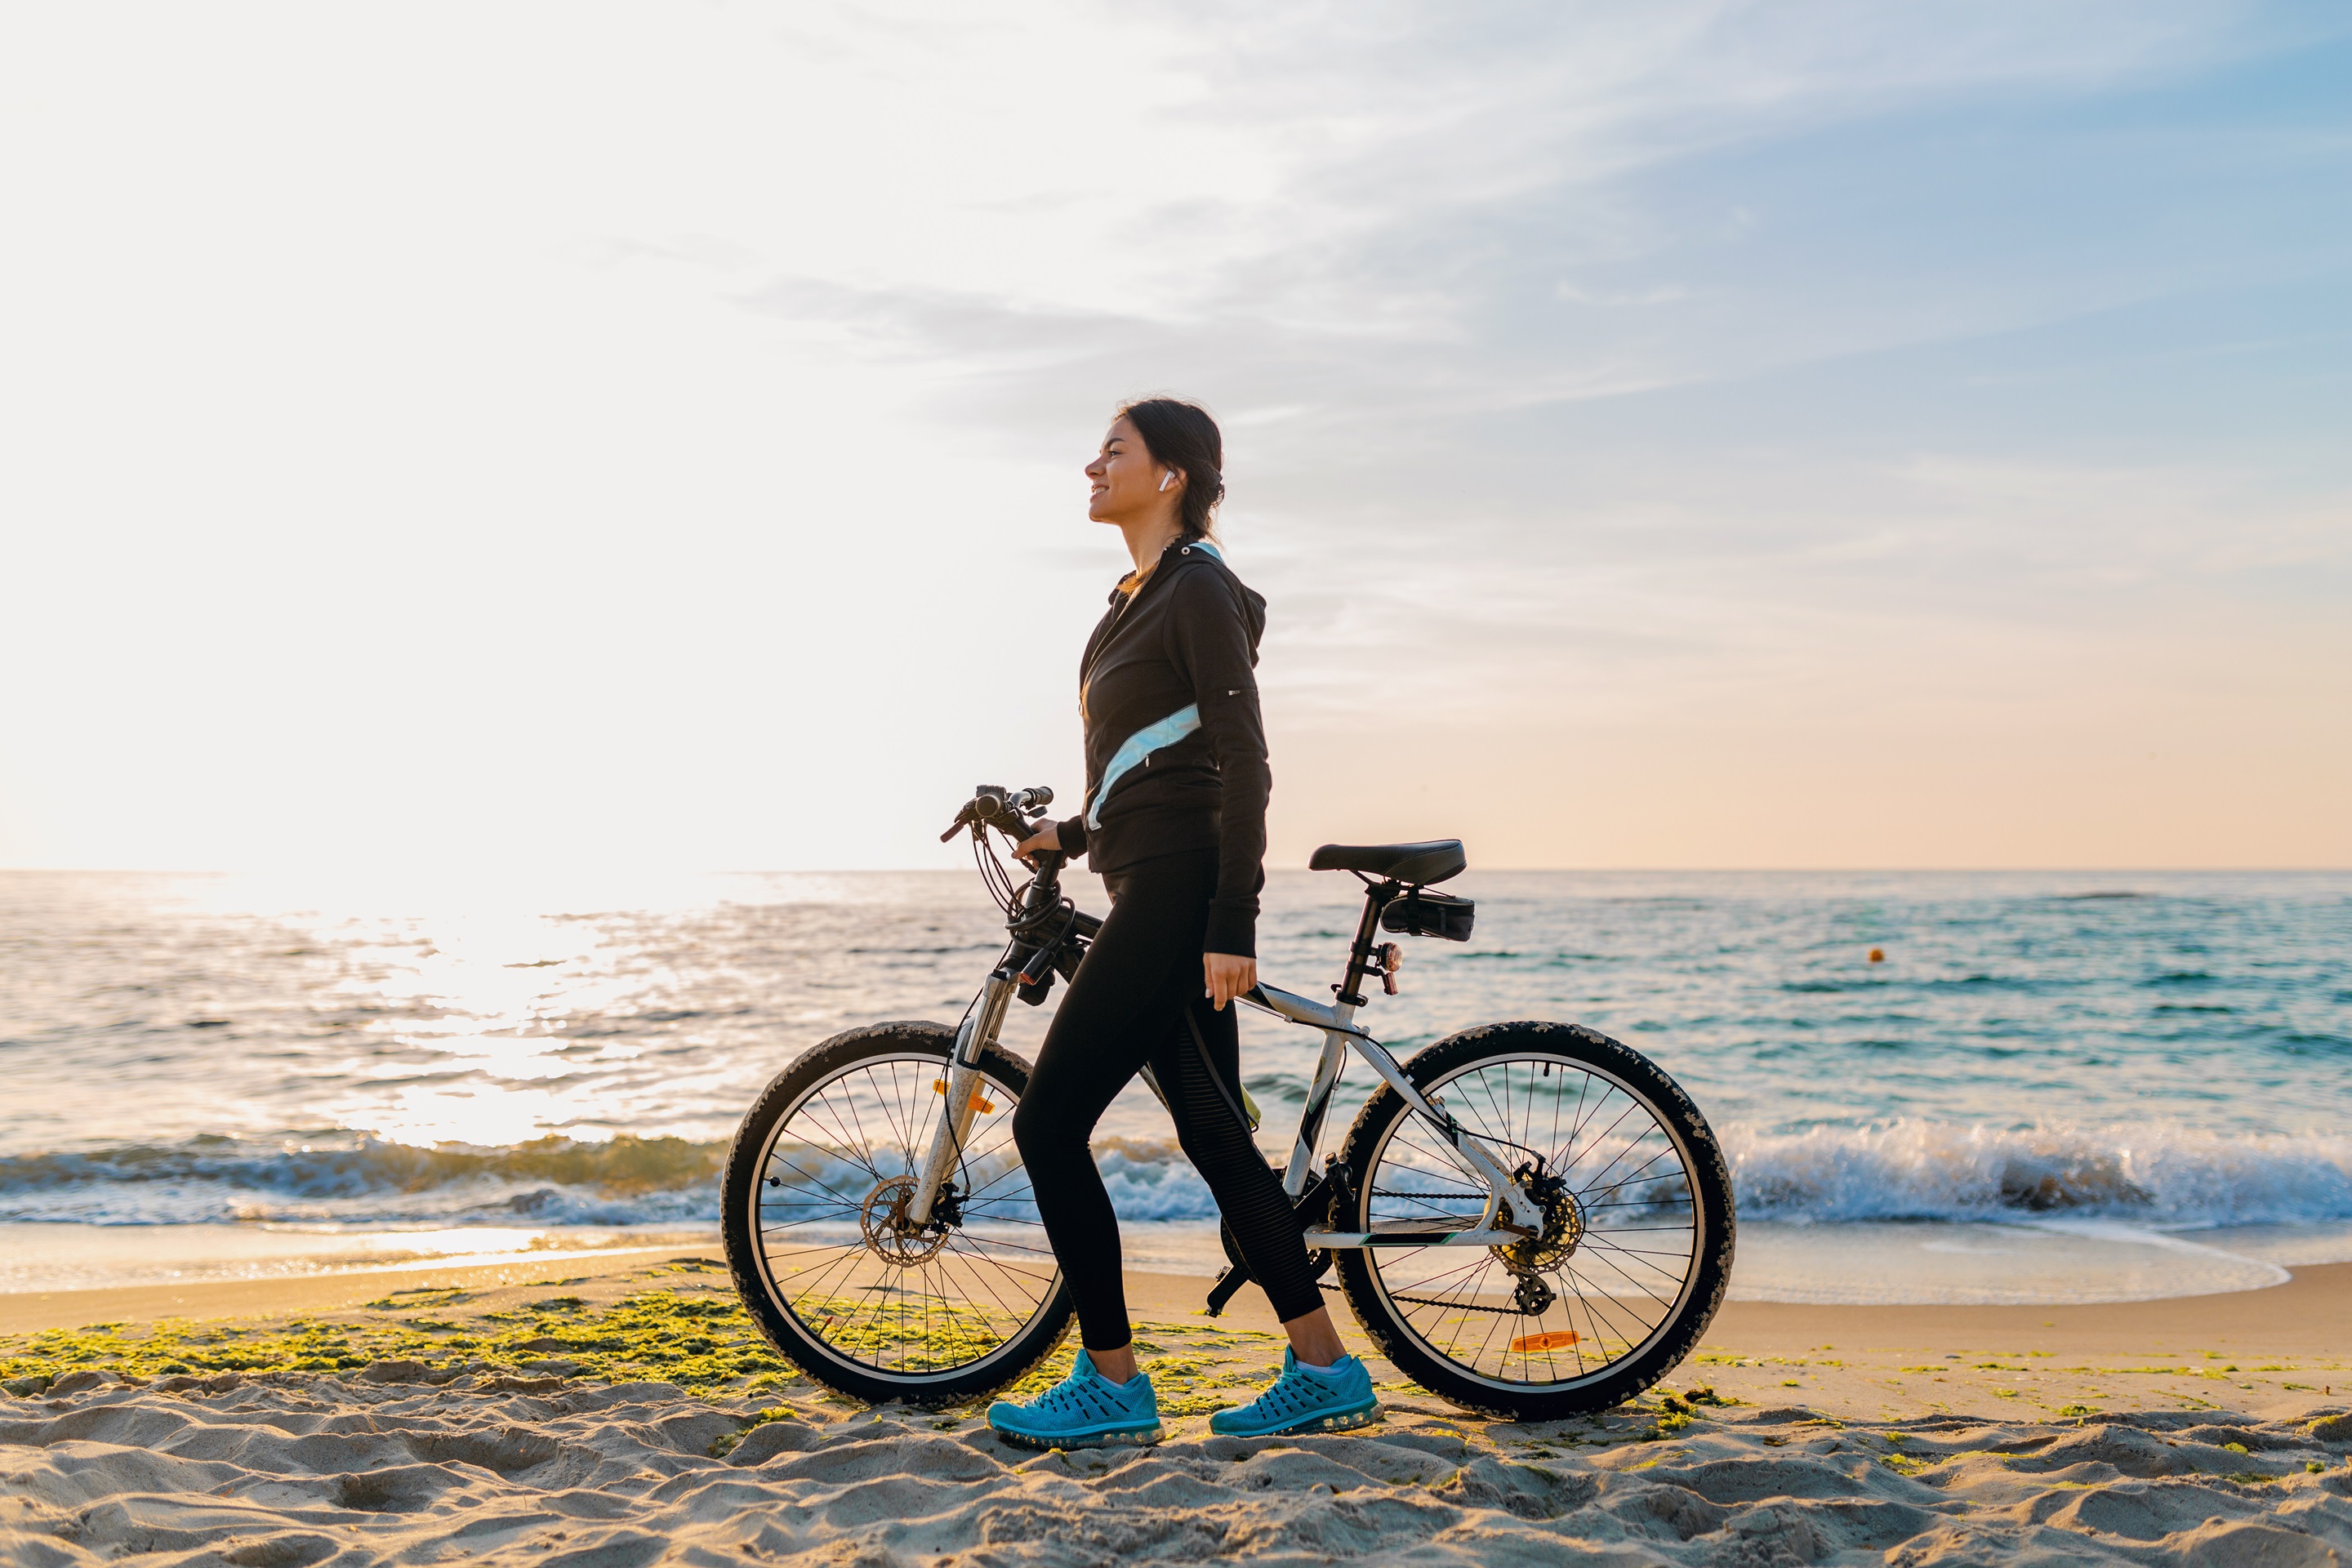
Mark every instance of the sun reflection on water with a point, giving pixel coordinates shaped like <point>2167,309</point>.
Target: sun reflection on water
<point>474,1013</point>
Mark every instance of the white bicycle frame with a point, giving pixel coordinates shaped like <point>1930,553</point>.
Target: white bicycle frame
<point>1511,1216</point>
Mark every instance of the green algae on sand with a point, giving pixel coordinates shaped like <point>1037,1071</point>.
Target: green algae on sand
<point>698,1342</point>
<point>702,1341</point>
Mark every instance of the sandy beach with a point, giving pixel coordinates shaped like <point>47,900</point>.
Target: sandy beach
<point>622,1415</point>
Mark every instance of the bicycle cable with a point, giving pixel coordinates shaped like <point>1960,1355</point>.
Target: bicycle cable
<point>993,873</point>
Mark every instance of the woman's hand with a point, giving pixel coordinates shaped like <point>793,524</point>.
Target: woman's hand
<point>1047,837</point>
<point>1227,975</point>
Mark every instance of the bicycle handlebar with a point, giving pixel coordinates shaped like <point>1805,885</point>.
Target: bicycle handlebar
<point>993,806</point>
<point>1020,800</point>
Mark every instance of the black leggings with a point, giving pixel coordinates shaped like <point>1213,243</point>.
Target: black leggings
<point>1137,999</point>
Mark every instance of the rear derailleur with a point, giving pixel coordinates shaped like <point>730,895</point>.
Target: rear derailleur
<point>1530,1259</point>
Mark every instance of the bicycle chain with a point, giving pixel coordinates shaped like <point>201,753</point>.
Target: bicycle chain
<point>1432,1301</point>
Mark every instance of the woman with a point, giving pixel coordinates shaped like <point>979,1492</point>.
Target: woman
<point>1174,820</point>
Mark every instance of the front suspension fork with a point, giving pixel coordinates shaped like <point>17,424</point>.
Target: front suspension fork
<point>979,1032</point>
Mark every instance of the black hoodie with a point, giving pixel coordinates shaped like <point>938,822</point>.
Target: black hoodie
<point>1175,749</point>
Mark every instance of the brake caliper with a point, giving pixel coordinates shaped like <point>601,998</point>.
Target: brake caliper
<point>947,1209</point>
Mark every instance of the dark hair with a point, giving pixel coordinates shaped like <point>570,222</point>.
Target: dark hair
<point>1181,435</point>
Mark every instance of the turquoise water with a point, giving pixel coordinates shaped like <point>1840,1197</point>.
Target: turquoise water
<point>2051,1087</point>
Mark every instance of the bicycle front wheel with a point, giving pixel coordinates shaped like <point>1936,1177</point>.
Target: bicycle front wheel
<point>813,1209</point>
<point>1635,1249</point>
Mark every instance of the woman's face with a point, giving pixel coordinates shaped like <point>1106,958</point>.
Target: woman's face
<point>1126,479</point>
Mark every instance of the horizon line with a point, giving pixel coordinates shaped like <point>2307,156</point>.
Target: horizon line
<point>964,870</point>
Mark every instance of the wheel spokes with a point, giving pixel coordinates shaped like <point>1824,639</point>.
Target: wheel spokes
<point>838,1156</point>
<point>1626,1207</point>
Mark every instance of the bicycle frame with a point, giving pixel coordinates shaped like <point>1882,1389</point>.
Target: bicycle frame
<point>1511,1214</point>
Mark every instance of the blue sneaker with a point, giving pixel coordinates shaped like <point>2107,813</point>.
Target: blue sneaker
<point>1305,1399</point>
<point>1084,1410</point>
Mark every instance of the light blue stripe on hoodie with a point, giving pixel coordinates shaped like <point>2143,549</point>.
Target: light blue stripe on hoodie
<point>1138,746</point>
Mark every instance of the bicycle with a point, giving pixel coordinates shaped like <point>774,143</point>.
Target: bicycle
<point>1527,1218</point>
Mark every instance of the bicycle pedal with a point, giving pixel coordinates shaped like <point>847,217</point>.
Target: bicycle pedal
<point>1228,1285</point>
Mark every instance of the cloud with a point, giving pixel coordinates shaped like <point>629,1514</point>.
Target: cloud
<point>563,417</point>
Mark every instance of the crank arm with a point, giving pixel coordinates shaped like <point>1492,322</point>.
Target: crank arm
<point>1229,1281</point>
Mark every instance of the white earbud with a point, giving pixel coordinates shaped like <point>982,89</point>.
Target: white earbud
<point>1167,478</point>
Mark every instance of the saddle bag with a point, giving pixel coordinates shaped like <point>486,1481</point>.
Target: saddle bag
<point>1420,912</point>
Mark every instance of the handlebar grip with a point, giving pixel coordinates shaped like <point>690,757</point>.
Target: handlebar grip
<point>995,806</point>
<point>992,801</point>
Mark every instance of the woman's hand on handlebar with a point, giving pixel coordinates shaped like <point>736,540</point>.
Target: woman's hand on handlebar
<point>1227,975</point>
<point>1047,837</point>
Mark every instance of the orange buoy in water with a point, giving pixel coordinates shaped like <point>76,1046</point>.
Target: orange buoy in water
<point>1558,1339</point>
<point>1877,955</point>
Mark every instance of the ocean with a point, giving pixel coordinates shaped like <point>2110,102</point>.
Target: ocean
<point>2051,1086</point>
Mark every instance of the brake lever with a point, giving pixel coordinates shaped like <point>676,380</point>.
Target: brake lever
<point>1016,827</point>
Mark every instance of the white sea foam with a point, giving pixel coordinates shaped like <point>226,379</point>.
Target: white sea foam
<point>1149,1179</point>
<point>180,1050</point>
<point>1924,1170</point>
<point>1910,1170</point>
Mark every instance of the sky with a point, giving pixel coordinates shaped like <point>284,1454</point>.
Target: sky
<point>1684,435</point>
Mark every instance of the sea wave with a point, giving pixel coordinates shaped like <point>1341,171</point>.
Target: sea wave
<point>346,1176</point>
<point>1907,1170</point>
<point>1928,1169</point>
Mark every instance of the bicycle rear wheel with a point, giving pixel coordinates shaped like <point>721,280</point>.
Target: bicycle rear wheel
<point>1634,1252</point>
<point>862,1304</point>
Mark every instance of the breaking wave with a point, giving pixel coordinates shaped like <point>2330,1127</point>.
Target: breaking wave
<point>1927,1171</point>
<point>346,1176</point>
<point>1907,1170</point>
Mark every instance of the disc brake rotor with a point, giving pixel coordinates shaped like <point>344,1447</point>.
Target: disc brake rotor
<point>1563,1229</point>
<point>889,1235</point>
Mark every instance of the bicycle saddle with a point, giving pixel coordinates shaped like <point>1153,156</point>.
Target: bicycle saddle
<point>1421,864</point>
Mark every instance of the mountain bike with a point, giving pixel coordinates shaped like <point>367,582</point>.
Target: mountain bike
<point>1529,1219</point>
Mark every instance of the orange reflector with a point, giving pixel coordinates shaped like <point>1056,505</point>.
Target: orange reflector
<point>988,1107</point>
<point>1558,1339</point>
